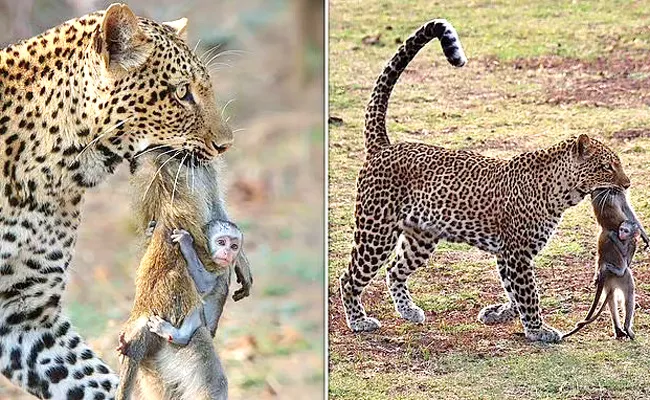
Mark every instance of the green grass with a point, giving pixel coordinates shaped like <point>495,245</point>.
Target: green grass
<point>493,107</point>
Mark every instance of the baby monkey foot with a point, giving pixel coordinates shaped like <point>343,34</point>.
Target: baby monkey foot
<point>161,328</point>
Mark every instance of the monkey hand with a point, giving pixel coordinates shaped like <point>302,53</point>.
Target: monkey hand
<point>244,277</point>
<point>182,237</point>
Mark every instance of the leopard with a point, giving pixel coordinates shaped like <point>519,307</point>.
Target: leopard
<point>410,196</point>
<point>77,101</point>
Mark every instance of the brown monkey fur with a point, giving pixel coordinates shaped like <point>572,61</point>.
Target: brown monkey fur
<point>612,267</point>
<point>165,288</point>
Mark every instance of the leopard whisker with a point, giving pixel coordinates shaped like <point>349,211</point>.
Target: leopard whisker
<point>176,179</point>
<point>208,53</point>
<point>226,106</point>
<point>196,46</point>
<point>158,172</point>
<point>227,52</point>
<point>148,150</point>
<point>193,173</point>
<point>166,152</point>
<point>95,140</point>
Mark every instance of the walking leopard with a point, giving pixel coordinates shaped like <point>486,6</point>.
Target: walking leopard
<point>412,195</point>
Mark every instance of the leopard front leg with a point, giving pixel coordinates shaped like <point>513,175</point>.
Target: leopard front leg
<point>413,251</point>
<point>516,270</point>
<point>504,312</point>
<point>41,352</point>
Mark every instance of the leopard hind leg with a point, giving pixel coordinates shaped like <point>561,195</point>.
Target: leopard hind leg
<point>414,248</point>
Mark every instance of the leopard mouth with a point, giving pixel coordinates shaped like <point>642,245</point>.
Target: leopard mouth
<point>608,188</point>
<point>191,158</point>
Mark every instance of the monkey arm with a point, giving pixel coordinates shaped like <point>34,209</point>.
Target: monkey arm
<point>180,336</point>
<point>244,276</point>
<point>204,280</point>
<point>214,302</point>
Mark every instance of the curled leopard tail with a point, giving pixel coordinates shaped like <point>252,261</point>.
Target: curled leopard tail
<point>375,129</point>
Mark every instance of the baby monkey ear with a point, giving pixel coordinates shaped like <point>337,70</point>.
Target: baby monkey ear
<point>179,26</point>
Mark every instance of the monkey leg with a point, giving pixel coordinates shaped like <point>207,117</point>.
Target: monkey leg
<point>616,321</point>
<point>214,302</point>
<point>40,352</point>
<point>193,372</point>
<point>138,345</point>
<point>629,308</point>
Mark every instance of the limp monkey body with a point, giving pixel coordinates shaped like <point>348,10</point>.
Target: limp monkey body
<point>174,198</point>
<point>616,248</point>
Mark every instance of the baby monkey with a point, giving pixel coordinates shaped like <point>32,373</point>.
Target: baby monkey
<point>616,248</point>
<point>224,242</point>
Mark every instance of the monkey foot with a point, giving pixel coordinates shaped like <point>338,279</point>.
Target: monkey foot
<point>242,292</point>
<point>545,334</point>
<point>122,345</point>
<point>497,314</point>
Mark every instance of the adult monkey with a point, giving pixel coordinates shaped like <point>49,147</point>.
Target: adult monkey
<point>75,102</point>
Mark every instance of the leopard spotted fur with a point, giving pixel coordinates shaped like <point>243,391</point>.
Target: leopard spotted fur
<point>412,195</point>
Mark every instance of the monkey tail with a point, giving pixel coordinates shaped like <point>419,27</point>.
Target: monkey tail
<point>588,319</point>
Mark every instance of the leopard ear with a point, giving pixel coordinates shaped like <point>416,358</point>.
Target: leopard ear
<point>179,26</point>
<point>123,43</point>
<point>584,148</point>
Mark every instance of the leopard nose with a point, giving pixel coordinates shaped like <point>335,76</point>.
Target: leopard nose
<point>221,148</point>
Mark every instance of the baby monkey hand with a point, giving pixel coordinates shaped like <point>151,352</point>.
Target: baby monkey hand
<point>182,237</point>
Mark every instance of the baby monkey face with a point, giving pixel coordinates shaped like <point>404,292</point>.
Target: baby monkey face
<point>627,230</point>
<point>225,250</point>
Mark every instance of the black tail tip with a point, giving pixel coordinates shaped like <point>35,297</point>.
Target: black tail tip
<point>457,61</point>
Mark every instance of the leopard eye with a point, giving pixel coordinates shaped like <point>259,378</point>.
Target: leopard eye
<point>183,92</point>
<point>607,167</point>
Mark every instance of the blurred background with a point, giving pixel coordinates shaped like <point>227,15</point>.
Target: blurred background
<point>271,343</point>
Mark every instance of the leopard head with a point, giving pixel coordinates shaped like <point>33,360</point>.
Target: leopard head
<point>155,93</point>
<point>596,167</point>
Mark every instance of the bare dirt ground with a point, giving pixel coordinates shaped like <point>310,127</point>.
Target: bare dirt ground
<point>271,342</point>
